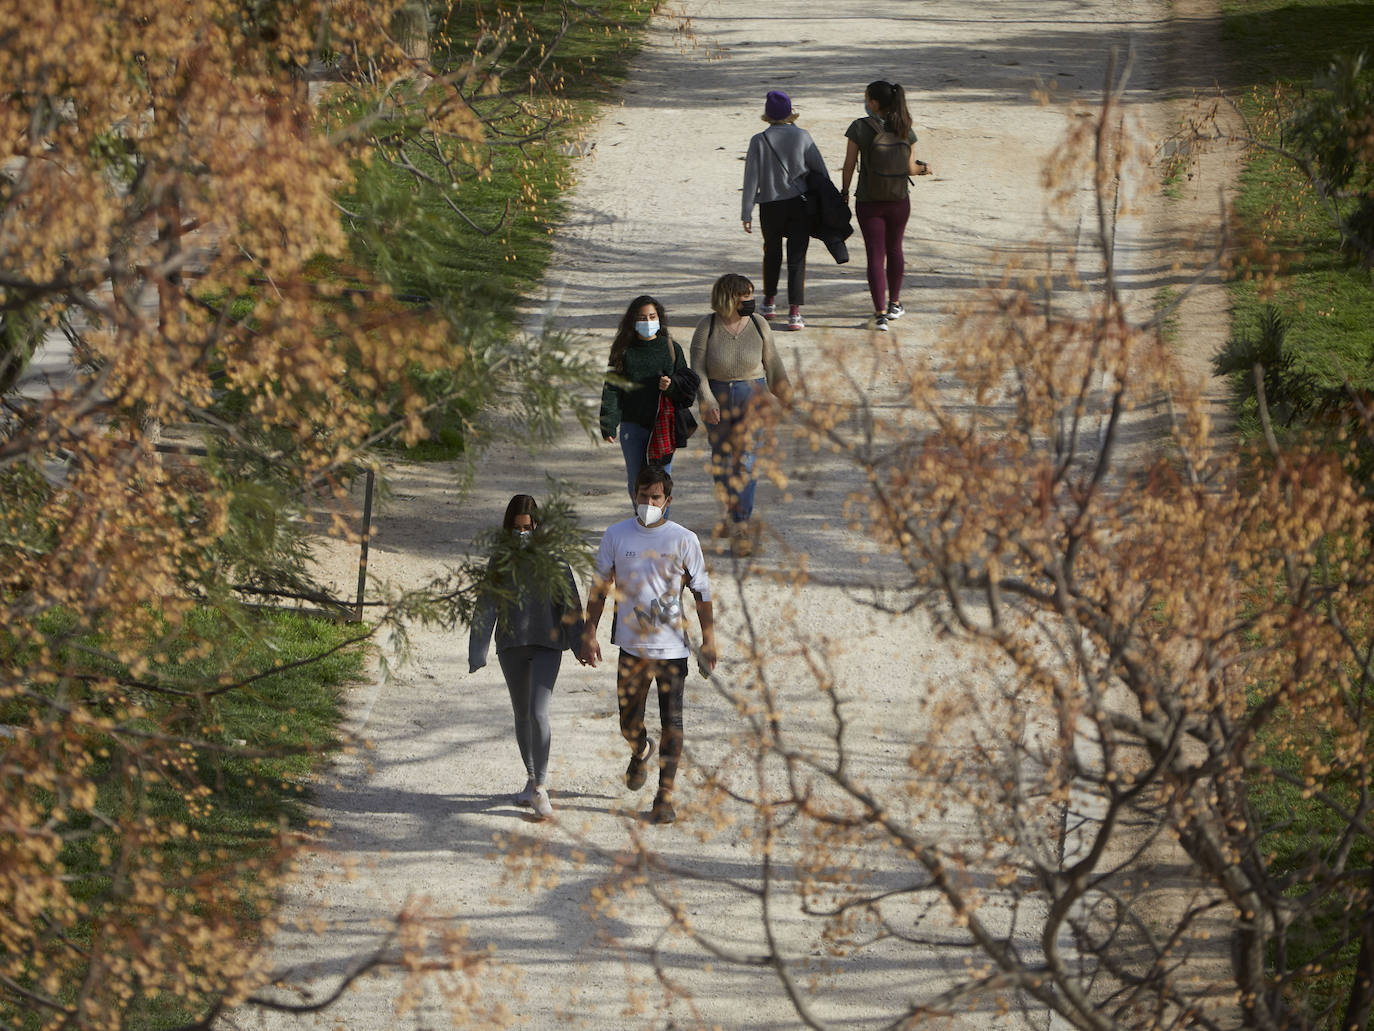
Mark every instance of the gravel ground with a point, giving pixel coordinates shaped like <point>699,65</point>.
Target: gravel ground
<point>422,819</point>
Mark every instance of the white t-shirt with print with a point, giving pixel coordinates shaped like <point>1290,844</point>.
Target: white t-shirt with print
<point>650,566</point>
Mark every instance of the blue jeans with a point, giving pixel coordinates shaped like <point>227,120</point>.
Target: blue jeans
<point>634,444</point>
<point>734,443</point>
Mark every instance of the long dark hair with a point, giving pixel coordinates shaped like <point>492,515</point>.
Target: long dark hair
<point>521,504</point>
<point>891,101</point>
<point>625,335</point>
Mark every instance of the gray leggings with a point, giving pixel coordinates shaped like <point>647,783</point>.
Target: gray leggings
<point>530,672</point>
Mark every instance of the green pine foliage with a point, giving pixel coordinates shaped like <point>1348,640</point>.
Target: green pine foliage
<point>462,229</point>
<point>1297,69</point>
<point>239,784</point>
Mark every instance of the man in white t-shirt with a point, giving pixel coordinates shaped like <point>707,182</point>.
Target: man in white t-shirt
<point>649,559</point>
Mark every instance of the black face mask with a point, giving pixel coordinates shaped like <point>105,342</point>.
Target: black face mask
<point>746,308</point>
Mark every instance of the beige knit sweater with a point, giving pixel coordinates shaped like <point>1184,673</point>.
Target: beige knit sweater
<point>721,355</point>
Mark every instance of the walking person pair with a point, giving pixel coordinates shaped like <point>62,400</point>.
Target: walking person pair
<point>648,561</point>
<point>775,172</point>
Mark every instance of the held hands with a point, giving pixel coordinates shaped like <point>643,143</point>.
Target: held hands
<point>589,650</point>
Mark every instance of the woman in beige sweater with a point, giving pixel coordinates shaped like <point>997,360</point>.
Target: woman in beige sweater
<point>733,353</point>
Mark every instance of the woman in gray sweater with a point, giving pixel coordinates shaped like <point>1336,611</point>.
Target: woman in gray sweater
<point>775,178</point>
<point>534,625</point>
<point>733,353</point>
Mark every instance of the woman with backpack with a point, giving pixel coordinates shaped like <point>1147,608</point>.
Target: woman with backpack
<point>644,353</point>
<point>733,353</point>
<point>884,138</point>
<point>775,178</point>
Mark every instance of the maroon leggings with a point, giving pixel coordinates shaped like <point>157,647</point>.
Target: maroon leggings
<point>883,222</point>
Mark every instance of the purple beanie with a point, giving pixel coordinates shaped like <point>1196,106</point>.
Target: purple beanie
<point>778,106</point>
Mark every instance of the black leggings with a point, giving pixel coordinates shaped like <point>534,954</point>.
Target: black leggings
<point>779,220</point>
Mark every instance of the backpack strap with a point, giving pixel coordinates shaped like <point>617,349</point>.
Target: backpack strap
<point>879,126</point>
<point>755,318</point>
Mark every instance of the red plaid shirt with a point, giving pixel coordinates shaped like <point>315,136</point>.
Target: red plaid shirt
<point>661,435</point>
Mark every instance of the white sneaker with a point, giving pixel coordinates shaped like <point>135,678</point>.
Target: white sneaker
<point>879,322</point>
<point>768,311</point>
<point>795,321</point>
<point>526,796</point>
<point>895,310</point>
<point>542,809</point>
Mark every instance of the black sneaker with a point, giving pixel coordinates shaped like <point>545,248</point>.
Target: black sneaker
<point>663,811</point>
<point>635,773</point>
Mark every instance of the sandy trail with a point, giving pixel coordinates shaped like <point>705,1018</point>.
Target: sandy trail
<point>424,817</point>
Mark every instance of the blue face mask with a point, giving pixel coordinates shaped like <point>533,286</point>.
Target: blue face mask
<point>648,330</point>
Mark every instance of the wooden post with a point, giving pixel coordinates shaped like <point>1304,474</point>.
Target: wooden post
<point>362,553</point>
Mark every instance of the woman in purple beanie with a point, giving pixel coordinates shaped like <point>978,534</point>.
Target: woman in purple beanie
<point>775,178</point>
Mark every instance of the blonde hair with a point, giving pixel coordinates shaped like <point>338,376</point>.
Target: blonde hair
<point>726,293</point>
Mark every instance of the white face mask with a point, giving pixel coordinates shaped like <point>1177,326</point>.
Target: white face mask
<point>648,514</point>
<point>523,536</point>
<point>648,329</point>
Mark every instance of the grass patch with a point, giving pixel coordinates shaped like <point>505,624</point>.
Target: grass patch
<point>1303,833</point>
<point>478,264</point>
<point>1293,256</point>
<point>1303,270</point>
<point>1292,259</point>
<point>1166,302</point>
<point>1278,40</point>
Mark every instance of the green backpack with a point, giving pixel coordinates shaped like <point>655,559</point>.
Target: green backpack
<point>886,164</point>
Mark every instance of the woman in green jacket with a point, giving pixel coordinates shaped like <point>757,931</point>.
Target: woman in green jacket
<point>644,354</point>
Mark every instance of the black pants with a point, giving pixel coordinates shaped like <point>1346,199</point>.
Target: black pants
<point>779,220</point>
<point>633,676</point>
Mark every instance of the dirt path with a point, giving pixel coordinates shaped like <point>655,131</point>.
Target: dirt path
<point>423,819</point>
